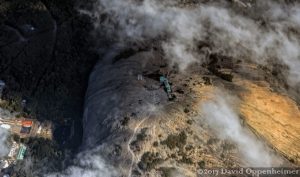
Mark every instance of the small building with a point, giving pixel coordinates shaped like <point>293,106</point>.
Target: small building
<point>22,152</point>
<point>26,126</point>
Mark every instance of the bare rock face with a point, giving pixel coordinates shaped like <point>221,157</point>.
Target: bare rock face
<point>121,89</point>
<point>115,92</point>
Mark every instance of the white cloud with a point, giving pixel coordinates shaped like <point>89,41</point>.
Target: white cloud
<point>225,122</point>
<point>88,164</point>
<point>237,35</point>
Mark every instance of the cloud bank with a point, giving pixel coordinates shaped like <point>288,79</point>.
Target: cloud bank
<point>264,33</point>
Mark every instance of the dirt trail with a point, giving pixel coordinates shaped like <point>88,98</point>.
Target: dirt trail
<point>134,159</point>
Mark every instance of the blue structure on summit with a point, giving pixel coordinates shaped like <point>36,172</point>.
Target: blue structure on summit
<point>163,80</point>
